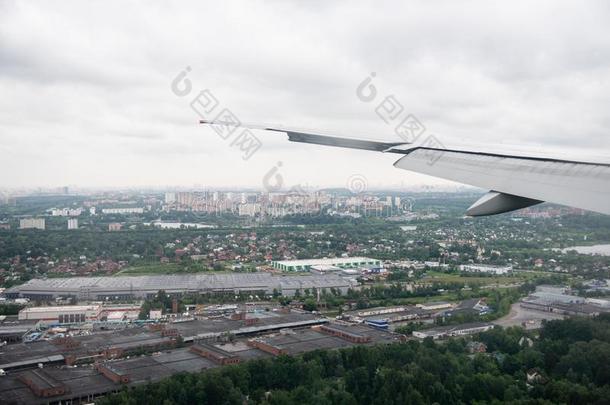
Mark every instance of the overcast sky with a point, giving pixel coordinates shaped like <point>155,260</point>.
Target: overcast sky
<point>86,87</point>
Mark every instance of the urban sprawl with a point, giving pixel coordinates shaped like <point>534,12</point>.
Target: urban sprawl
<point>105,290</point>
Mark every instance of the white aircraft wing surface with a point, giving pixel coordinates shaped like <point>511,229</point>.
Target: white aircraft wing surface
<point>515,181</point>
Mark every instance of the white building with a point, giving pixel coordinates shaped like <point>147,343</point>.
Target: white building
<point>324,269</point>
<point>132,210</point>
<point>249,210</point>
<point>72,223</point>
<point>116,316</point>
<point>552,298</point>
<point>435,265</point>
<point>66,212</point>
<point>32,223</point>
<point>61,314</point>
<point>457,330</point>
<point>382,311</point>
<point>170,198</point>
<point>485,268</point>
<point>340,262</point>
<point>600,302</point>
<point>114,227</point>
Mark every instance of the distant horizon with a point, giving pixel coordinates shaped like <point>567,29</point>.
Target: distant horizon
<point>75,190</point>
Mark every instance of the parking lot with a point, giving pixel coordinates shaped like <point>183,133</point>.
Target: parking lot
<point>529,318</point>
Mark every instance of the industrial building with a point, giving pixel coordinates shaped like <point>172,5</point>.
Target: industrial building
<point>215,354</point>
<point>340,262</point>
<point>453,330</point>
<point>61,314</point>
<point>486,268</point>
<point>56,384</point>
<point>342,332</point>
<point>324,269</point>
<point>382,316</point>
<point>14,331</point>
<point>42,384</point>
<point>122,288</point>
<point>555,299</point>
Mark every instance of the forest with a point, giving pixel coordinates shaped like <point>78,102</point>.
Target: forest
<point>566,362</point>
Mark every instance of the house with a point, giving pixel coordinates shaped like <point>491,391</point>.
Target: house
<point>476,347</point>
<point>534,376</point>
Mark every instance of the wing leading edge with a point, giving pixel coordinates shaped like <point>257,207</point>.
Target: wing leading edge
<point>515,181</point>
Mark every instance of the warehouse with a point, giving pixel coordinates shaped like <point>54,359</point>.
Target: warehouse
<point>453,330</point>
<point>122,288</point>
<point>61,314</point>
<point>85,384</point>
<point>486,268</point>
<point>340,262</point>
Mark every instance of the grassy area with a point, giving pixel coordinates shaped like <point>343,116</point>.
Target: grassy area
<point>449,278</point>
<point>168,268</point>
<point>149,269</point>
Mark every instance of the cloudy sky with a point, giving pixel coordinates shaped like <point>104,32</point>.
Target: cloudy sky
<point>87,100</point>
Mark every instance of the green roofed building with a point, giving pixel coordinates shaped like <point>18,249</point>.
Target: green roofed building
<point>341,262</point>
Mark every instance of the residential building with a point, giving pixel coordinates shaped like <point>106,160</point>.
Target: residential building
<point>122,211</point>
<point>114,227</point>
<point>32,223</point>
<point>170,198</point>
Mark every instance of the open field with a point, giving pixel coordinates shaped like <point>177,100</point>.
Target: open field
<point>517,277</point>
<point>169,268</point>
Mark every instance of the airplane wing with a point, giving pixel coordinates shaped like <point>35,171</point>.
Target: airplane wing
<point>514,181</point>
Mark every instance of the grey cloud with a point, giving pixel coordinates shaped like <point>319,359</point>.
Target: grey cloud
<point>74,75</point>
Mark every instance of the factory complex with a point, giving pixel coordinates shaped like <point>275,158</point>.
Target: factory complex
<point>69,314</point>
<point>140,287</point>
<point>336,262</point>
<point>79,368</point>
<point>557,300</point>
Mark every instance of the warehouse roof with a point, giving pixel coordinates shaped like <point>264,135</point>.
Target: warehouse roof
<point>194,282</point>
<point>61,308</point>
